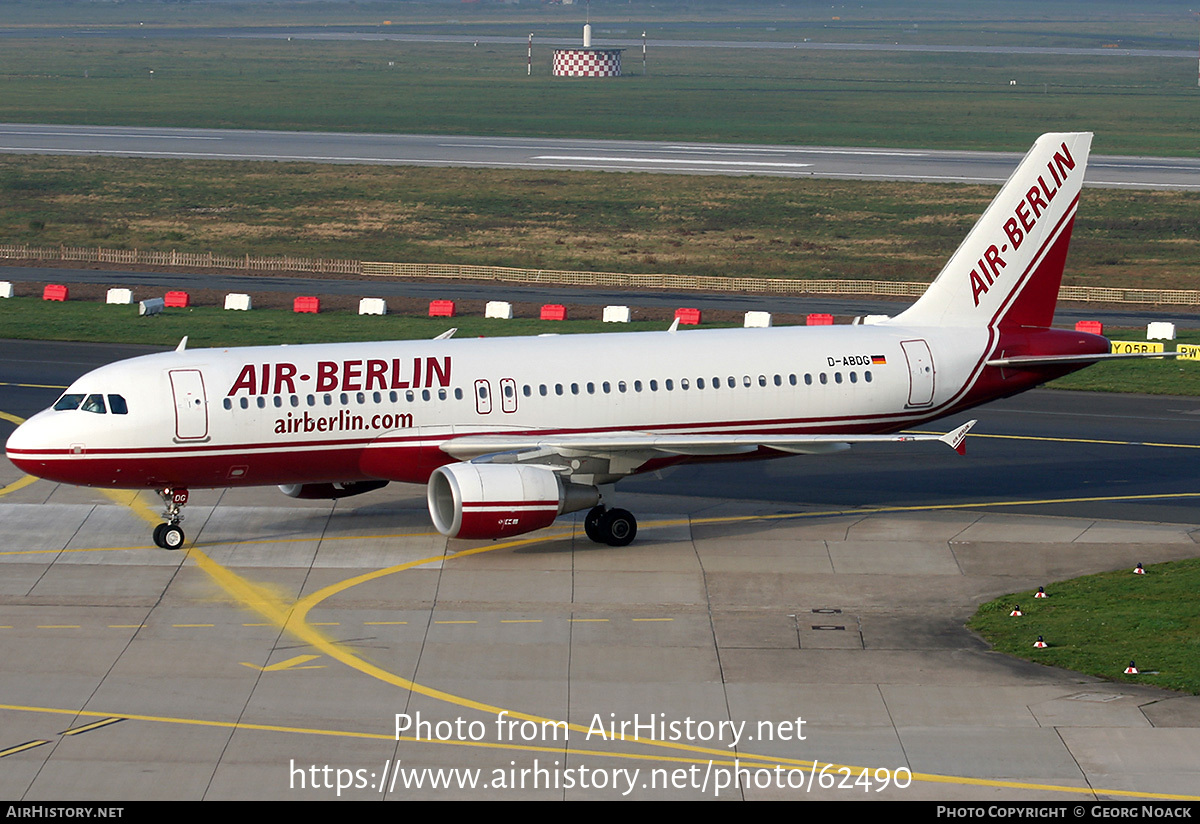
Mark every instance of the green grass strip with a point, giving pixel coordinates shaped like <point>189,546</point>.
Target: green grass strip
<point>1099,623</point>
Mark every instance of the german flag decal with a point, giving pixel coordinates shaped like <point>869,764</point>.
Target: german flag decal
<point>878,359</point>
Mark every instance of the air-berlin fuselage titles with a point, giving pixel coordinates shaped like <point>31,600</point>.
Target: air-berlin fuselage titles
<point>368,374</point>
<point>510,433</point>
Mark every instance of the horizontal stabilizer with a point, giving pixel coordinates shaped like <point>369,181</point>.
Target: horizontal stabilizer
<point>1066,360</point>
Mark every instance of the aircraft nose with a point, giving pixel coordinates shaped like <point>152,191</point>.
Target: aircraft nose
<point>30,438</point>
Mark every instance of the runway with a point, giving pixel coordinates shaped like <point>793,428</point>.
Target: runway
<point>827,590</point>
<point>577,154</point>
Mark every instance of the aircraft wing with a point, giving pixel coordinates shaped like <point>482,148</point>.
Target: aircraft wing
<point>534,447</point>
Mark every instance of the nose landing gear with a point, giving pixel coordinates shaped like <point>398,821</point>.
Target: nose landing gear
<point>170,535</point>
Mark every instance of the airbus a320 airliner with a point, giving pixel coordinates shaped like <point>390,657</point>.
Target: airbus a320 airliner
<point>510,433</point>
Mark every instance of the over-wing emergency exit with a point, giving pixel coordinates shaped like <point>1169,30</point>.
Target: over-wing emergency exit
<point>510,433</point>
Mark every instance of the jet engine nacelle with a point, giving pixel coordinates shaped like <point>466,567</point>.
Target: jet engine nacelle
<point>343,489</point>
<point>497,500</point>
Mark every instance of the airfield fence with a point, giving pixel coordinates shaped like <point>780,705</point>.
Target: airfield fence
<point>557,277</point>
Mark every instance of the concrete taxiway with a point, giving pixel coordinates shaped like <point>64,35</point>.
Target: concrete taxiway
<point>272,658</point>
<point>292,635</point>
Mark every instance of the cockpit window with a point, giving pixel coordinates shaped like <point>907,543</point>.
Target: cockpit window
<point>68,402</point>
<point>116,403</point>
<point>94,403</point>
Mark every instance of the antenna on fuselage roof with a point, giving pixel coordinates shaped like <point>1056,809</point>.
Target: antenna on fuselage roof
<point>674,326</point>
<point>182,344</point>
<point>449,333</point>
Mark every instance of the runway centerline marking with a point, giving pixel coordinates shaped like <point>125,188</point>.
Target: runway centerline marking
<point>688,161</point>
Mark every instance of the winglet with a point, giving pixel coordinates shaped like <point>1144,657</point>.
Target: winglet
<point>957,439</point>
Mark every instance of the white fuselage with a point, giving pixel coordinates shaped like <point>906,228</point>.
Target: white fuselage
<point>340,412</point>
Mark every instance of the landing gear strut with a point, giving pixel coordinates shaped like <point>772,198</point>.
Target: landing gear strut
<point>170,535</point>
<point>615,527</point>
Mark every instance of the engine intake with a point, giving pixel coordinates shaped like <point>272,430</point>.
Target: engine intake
<point>497,500</point>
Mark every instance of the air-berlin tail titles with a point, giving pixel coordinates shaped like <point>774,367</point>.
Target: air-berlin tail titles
<point>346,376</point>
<point>1025,217</point>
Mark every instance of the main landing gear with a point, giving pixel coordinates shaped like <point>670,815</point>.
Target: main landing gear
<point>615,527</point>
<point>170,535</point>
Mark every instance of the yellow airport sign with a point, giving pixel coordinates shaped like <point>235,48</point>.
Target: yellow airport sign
<point>1126,347</point>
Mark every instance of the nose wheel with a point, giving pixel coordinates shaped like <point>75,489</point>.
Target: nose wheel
<point>170,535</point>
<point>615,527</point>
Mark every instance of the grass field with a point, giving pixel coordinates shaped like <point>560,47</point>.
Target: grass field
<point>675,224</point>
<point>959,100</point>
<point>1099,623</point>
<point>34,319</point>
<point>1150,24</point>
